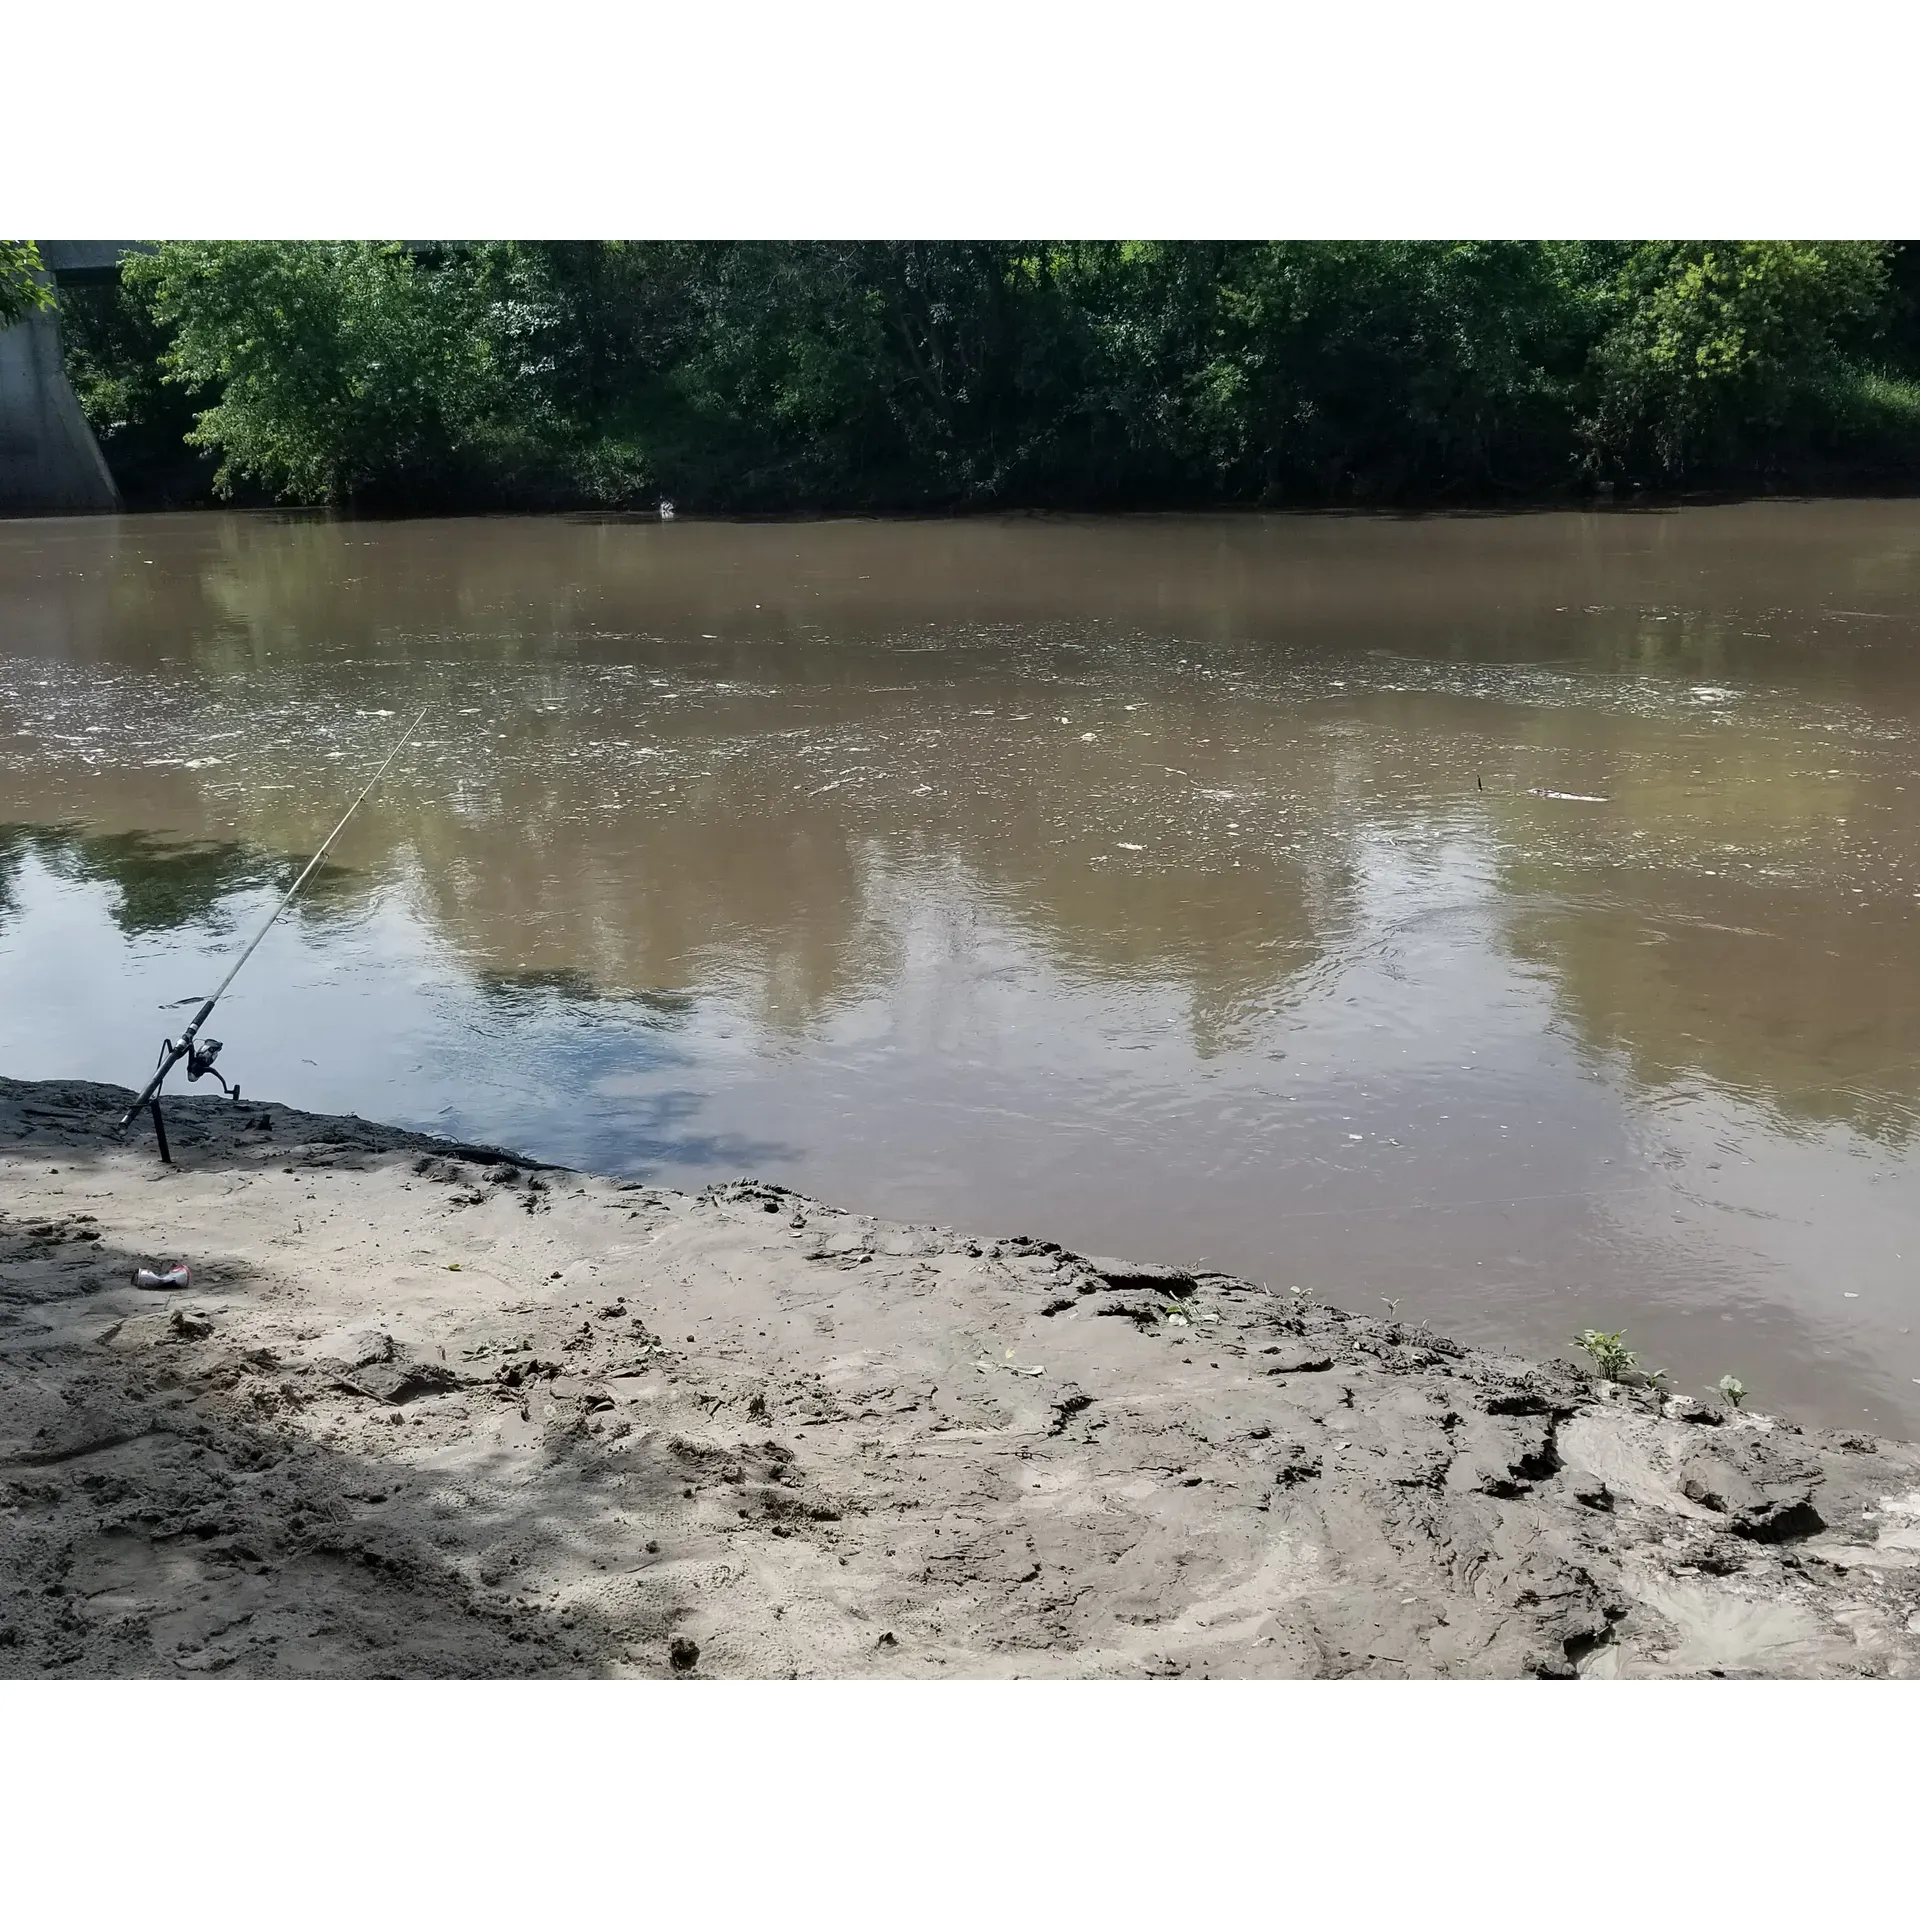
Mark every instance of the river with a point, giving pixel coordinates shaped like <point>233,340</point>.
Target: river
<point>1509,917</point>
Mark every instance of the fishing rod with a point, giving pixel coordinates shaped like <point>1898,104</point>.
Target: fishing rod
<point>200,1054</point>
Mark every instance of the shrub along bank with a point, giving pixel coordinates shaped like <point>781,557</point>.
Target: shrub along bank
<point>924,376</point>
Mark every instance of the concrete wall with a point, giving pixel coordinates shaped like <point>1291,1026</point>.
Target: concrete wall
<point>49,459</point>
<point>80,262</point>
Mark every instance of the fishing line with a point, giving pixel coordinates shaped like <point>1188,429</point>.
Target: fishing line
<point>200,1057</point>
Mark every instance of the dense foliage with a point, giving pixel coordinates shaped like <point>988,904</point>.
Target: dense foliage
<point>21,290</point>
<point>920,375</point>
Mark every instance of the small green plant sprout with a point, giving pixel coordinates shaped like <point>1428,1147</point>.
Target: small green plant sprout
<point>1731,1391</point>
<point>1392,1306</point>
<point>1608,1352</point>
<point>1656,1378</point>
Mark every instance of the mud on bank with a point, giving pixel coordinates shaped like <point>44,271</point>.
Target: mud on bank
<point>433,1409</point>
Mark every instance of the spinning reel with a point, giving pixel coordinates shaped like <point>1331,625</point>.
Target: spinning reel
<point>199,1056</point>
<point>200,1059</point>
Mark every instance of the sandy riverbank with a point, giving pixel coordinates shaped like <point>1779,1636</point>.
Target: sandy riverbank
<point>427,1409</point>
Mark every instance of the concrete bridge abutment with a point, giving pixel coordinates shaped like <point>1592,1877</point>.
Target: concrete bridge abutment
<point>49,460</point>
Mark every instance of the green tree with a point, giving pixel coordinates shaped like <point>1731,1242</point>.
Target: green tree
<point>1722,352</point>
<point>341,370</point>
<point>1374,371</point>
<point>863,373</point>
<point>22,291</point>
<point>749,376</point>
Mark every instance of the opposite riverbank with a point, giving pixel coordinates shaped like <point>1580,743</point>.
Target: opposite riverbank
<point>429,1409</point>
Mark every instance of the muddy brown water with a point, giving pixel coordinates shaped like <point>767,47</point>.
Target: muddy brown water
<point>1168,887</point>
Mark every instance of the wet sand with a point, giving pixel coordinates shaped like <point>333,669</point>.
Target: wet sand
<point>429,1409</point>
